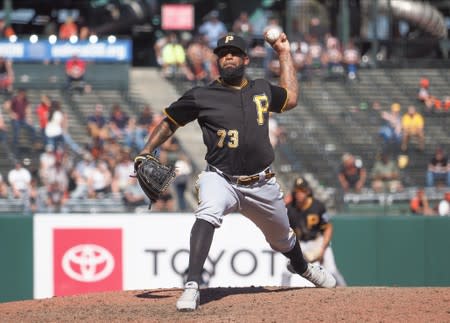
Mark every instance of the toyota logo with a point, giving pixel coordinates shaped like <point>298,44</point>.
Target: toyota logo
<point>87,263</point>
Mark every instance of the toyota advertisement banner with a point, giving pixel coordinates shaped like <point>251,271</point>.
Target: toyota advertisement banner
<point>76,254</point>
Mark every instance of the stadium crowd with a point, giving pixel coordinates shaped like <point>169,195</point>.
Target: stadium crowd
<point>68,170</point>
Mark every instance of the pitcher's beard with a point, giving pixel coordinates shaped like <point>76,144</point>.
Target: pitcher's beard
<point>232,75</point>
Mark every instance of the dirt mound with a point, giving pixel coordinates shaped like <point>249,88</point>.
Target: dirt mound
<point>254,304</point>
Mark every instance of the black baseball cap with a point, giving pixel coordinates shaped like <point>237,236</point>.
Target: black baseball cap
<point>301,184</point>
<point>231,40</point>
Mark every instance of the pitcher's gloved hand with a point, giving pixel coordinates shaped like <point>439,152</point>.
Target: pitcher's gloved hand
<point>152,175</point>
<point>139,159</point>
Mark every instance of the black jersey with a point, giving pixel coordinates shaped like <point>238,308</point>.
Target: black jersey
<point>310,221</point>
<point>234,122</point>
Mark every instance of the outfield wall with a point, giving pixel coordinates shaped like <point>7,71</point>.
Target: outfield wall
<point>55,255</point>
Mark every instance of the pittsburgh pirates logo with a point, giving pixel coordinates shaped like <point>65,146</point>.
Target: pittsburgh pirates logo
<point>262,106</point>
<point>228,38</point>
<point>312,220</point>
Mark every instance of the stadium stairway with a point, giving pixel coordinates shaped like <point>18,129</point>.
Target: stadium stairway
<point>149,85</point>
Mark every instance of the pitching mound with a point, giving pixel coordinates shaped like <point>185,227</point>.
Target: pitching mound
<point>255,304</point>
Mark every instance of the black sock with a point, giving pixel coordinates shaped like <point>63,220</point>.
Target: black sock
<point>201,238</point>
<point>296,257</point>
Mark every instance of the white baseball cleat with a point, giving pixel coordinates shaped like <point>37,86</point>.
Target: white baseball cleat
<point>317,275</point>
<point>190,299</point>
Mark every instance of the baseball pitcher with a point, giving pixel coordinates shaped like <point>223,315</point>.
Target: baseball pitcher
<point>233,114</point>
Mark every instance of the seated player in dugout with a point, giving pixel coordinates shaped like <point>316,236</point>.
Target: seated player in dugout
<point>233,114</point>
<point>310,221</point>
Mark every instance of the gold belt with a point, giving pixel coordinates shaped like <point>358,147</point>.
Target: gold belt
<point>249,180</point>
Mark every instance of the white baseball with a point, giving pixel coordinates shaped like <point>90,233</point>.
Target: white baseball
<point>272,35</point>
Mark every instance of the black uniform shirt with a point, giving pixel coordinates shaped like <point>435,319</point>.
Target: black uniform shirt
<point>234,122</point>
<point>310,221</point>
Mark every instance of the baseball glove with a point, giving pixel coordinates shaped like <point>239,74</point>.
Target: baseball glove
<point>153,177</point>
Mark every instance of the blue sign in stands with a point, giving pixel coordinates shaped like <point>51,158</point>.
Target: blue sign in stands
<point>119,51</point>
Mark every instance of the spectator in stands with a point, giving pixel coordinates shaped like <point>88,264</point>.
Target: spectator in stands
<point>317,29</point>
<point>161,40</point>
<point>352,174</point>
<point>276,132</point>
<point>121,173</point>
<point>67,29</point>
<point>51,27</point>
<point>201,61</point>
<point>424,95</point>
<point>174,58</point>
<point>391,131</point>
<point>447,103</point>
<point>385,175</point>
<point>6,75</point>
<point>135,135</point>
<point>6,30</point>
<point>97,125</point>
<point>117,124</point>
<point>55,127</point>
<point>80,174</point>
<point>212,28</point>
<point>3,187</point>
<point>413,127</point>
<point>18,108</point>
<point>47,160</point>
<point>299,50</point>
<point>315,57</point>
<point>34,202</point>
<point>351,59</point>
<point>183,170</point>
<point>111,149</point>
<point>145,119</point>
<point>99,179</point>
<point>438,172</point>
<point>85,31</point>
<point>419,203</point>
<point>133,195</point>
<point>169,151</point>
<point>444,205</point>
<point>273,69</point>
<point>333,57</point>
<point>19,179</point>
<point>3,130</point>
<point>42,111</point>
<point>75,68</point>
<point>56,185</point>
<point>242,26</point>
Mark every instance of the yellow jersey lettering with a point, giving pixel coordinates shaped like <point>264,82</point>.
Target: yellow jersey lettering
<point>262,106</point>
<point>312,220</point>
<point>232,137</point>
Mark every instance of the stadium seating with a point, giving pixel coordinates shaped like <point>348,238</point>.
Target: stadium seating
<point>333,117</point>
<point>337,117</point>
